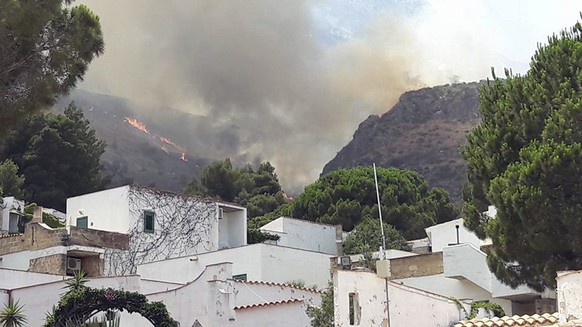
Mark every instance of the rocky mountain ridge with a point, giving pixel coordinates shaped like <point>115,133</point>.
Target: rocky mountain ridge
<point>422,132</point>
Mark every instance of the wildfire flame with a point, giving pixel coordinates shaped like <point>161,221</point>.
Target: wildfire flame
<point>137,124</point>
<point>166,141</point>
<point>170,142</point>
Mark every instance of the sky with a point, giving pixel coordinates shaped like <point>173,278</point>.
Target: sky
<point>292,79</point>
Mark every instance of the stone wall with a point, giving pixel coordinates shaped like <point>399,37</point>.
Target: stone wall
<point>92,266</point>
<point>416,266</point>
<point>52,264</point>
<point>13,243</point>
<point>98,238</point>
<point>40,237</point>
<point>37,237</point>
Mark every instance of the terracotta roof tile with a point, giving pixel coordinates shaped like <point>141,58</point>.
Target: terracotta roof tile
<point>547,319</point>
<point>258,305</point>
<point>260,282</point>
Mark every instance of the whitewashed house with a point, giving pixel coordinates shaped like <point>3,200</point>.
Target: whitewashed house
<point>455,265</point>
<point>306,235</point>
<point>254,262</point>
<point>361,298</point>
<point>161,225</point>
<point>12,210</point>
<point>213,298</point>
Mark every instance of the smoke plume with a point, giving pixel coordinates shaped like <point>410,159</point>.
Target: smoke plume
<point>268,86</point>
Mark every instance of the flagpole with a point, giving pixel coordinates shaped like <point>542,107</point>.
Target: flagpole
<point>383,250</point>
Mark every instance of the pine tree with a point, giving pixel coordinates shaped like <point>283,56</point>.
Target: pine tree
<point>525,157</point>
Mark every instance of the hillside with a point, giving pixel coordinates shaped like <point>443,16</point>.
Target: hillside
<point>151,158</point>
<point>422,132</point>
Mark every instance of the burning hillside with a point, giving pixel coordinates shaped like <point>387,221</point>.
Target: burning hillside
<point>163,140</point>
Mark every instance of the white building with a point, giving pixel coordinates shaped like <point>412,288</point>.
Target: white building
<point>213,298</point>
<point>161,225</point>
<point>457,267</point>
<point>360,299</point>
<point>12,210</point>
<point>255,262</point>
<point>306,235</point>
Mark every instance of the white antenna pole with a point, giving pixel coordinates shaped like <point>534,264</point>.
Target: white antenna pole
<point>380,213</point>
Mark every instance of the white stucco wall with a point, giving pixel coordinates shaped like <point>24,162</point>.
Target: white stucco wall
<point>38,299</point>
<point>9,204</point>
<point>303,234</point>
<point>10,278</point>
<point>442,235</point>
<point>249,293</point>
<point>408,306</point>
<point>282,264</point>
<point>467,261</point>
<point>264,262</point>
<point>17,260</point>
<point>209,299</point>
<point>569,295</point>
<point>457,288</point>
<point>148,286</point>
<point>232,226</point>
<point>183,225</point>
<point>288,314</point>
<point>106,210</point>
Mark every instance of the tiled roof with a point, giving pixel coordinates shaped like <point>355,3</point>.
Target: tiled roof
<point>260,282</point>
<point>547,319</point>
<point>258,305</point>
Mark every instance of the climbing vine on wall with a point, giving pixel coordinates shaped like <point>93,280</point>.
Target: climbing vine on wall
<point>182,227</point>
<point>492,308</point>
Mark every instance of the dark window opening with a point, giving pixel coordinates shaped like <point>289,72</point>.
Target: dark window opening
<point>148,221</point>
<point>242,277</point>
<point>83,222</point>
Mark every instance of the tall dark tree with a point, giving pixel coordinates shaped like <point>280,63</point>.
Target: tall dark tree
<point>10,181</point>
<point>525,158</point>
<point>258,190</point>
<point>346,196</point>
<point>45,48</point>
<point>59,156</point>
<point>367,237</point>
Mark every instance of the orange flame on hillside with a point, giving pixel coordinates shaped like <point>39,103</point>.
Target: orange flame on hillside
<point>137,124</point>
<point>166,141</point>
<point>177,146</point>
<point>170,142</point>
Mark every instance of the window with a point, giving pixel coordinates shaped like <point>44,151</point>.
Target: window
<point>242,277</point>
<point>83,222</point>
<point>148,221</point>
<point>355,309</point>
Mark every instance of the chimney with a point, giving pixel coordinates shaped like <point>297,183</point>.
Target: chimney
<point>37,215</point>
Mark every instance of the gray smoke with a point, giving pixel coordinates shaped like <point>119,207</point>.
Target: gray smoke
<point>269,88</point>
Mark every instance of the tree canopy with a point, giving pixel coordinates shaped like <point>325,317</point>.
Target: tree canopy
<point>257,190</point>
<point>45,48</point>
<point>347,196</point>
<point>367,237</point>
<point>525,158</point>
<point>59,155</point>
<point>10,182</point>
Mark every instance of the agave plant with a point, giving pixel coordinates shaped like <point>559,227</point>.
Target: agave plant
<point>76,283</point>
<point>12,315</point>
